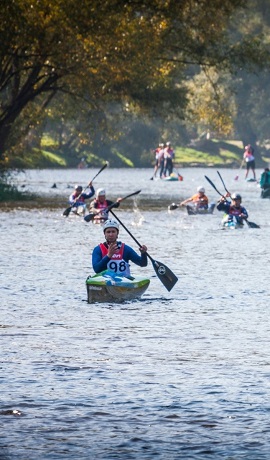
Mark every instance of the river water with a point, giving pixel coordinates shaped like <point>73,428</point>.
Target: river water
<point>177,375</point>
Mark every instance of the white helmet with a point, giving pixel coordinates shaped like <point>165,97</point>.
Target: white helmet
<point>168,143</point>
<point>201,189</point>
<point>110,224</point>
<point>101,191</point>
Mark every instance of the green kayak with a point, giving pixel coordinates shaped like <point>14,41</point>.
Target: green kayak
<point>109,287</point>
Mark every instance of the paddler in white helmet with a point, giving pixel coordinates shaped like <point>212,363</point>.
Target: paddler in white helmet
<point>199,200</point>
<point>99,204</point>
<point>115,256</point>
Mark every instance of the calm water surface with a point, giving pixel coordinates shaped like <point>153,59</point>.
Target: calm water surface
<point>179,375</point>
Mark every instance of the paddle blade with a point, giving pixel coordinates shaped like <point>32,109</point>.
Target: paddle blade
<point>252,224</point>
<point>236,177</point>
<point>89,217</point>
<point>180,177</point>
<point>173,206</point>
<point>166,276</point>
<point>67,211</point>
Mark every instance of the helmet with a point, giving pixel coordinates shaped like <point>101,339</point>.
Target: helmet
<point>110,224</point>
<point>236,196</point>
<point>78,188</point>
<point>201,189</point>
<point>161,145</point>
<point>101,191</point>
<point>168,143</point>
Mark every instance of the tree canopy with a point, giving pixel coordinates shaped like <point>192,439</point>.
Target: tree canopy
<point>138,54</point>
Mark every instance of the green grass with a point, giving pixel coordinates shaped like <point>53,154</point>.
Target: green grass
<point>126,161</point>
<point>210,153</point>
<point>52,157</point>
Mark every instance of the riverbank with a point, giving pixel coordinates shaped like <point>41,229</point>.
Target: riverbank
<point>200,152</point>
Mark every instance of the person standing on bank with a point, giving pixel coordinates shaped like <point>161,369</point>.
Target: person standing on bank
<point>249,158</point>
<point>115,256</point>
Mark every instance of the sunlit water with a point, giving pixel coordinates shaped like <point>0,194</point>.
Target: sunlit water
<point>181,374</point>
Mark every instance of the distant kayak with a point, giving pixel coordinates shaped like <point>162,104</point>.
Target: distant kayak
<point>193,210</point>
<point>265,193</point>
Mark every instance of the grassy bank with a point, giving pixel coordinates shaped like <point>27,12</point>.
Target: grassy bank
<point>208,153</point>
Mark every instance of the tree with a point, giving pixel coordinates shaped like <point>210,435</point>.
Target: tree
<point>113,50</point>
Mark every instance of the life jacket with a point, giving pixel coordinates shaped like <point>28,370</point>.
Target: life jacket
<point>235,211</point>
<point>248,155</point>
<point>102,215</point>
<point>157,151</point>
<point>116,264</point>
<point>77,202</point>
<point>169,153</point>
<point>200,202</point>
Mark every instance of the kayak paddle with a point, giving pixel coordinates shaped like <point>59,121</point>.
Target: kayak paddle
<point>166,276</point>
<point>91,216</point>
<point>68,210</point>
<point>237,175</point>
<point>173,206</point>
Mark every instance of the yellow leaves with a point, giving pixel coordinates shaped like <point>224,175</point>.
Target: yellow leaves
<point>211,103</point>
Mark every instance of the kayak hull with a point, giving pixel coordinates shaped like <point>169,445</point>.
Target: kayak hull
<point>192,210</point>
<point>108,287</point>
<point>232,225</point>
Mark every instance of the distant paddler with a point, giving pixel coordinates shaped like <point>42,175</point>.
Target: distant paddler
<point>199,200</point>
<point>78,196</point>
<point>99,206</point>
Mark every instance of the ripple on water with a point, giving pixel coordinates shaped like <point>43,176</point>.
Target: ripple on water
<point>175,375</point>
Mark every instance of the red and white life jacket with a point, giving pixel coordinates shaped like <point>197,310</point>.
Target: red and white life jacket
<point>116,264</point>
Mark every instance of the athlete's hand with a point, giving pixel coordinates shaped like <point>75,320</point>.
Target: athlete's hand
<point>143,249</point>
<point>112,249</point>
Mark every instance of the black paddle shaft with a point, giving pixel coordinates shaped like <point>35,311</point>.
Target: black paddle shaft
<point>166,276</point>
<point>214,187</point>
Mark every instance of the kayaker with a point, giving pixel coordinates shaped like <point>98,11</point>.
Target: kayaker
<point>77,198</point>
<point>115,256</point>
<point>233,210</point>
<point>199,200</point>
<point>265,182</point>
<point>99,204</point>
